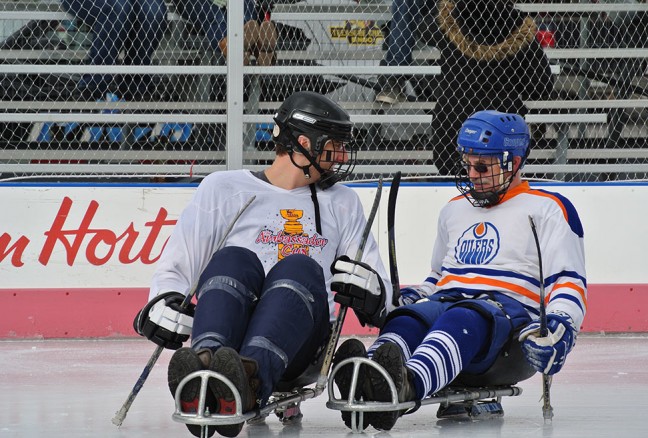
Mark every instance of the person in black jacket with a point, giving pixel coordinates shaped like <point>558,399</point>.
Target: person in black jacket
<point>490,59</point>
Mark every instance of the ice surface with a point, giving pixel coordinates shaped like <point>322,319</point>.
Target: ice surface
<point>72,389</point>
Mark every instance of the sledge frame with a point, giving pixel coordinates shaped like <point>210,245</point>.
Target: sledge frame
<point>444,397</point>
<point>204,418</point>
<point>283,400</point>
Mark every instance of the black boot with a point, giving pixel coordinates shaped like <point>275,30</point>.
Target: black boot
<point>390,357</point>
<point>184,362</point>
<point>242,372</point>
<point>392,90</point>
<point>350,348</point>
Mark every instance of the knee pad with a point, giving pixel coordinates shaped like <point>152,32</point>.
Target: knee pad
<point>302,275</point>
<point>301,269</point>
<point>227,293</point>
<point>240,265</point>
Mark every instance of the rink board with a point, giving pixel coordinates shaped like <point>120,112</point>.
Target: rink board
<point>75,260</point>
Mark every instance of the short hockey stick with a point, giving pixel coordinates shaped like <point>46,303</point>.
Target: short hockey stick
<point>547,410</point>
<point>391,232</point>
<point>337,326</point>
<point>120,415</point>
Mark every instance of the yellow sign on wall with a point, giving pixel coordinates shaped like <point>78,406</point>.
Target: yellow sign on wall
<point>358,33</point>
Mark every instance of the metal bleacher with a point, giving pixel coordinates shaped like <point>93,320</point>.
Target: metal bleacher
<point>583,110</point>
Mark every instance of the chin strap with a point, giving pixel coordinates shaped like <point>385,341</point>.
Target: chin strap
<point>312,186</point>
<point>305,152</point>
<point>485,199</point>
<point>304,169</point>
<point>318,219</point>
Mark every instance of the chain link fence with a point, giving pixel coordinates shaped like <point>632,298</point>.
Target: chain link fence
<point>148,90</point>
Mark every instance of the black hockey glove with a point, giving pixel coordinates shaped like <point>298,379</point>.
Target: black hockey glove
<point>164,322</point>
<point>360,287</point>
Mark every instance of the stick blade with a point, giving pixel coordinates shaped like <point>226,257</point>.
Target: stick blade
<point>119,417</point>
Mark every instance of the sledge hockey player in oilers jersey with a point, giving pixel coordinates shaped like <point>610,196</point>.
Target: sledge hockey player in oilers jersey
<point>465,324</point>
<point>264,301</point>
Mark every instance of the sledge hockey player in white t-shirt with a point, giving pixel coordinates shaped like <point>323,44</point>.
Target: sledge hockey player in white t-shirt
<point>475,318</point>
<point>264,302</point>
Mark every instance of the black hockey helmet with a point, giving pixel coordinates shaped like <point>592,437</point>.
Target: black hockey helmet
<point>321,120</point>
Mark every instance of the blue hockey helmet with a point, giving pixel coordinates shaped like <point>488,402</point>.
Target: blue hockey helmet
<point>493,133</point>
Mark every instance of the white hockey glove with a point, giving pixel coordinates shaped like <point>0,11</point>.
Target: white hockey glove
<point>410,295</point>
<point>164,322</point>
<point>360,287</point>
<point>547,354</point>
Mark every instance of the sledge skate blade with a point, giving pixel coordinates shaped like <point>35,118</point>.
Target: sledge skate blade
<point>287,413</point>
<point>477,410</point>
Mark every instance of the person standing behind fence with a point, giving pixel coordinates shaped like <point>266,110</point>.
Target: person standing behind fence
<point>210,16</point>
<point>490,59</point>
<point>134,27</point>
<point>406,16</point>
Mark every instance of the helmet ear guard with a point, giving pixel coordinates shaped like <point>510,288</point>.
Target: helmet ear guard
<point>283,134</point>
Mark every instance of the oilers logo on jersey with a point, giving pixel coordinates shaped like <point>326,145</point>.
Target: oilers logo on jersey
<point>478,245</point>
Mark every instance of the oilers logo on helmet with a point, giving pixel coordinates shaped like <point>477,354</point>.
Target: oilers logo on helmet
<point>478,245</point>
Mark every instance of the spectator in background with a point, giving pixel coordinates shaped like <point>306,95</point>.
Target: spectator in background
<point>406,16</point>
<point>134,27</point>
<point>490,59</point>
<point>546,34</point>
<point>210,16</point>
<point>618,30</point>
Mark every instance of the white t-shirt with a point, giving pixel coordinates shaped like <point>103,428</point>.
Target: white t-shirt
<point>278,223</point>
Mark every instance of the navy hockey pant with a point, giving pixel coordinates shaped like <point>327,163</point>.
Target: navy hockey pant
<point>503,314</point>
<point>280,319</point>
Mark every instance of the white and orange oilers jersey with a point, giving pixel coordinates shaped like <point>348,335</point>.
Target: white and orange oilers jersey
<point>493,249</point>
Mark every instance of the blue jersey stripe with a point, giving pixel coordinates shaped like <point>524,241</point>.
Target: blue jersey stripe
<point>572,215</point>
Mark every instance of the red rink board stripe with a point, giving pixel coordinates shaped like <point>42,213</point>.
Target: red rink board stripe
<point>109,312</point>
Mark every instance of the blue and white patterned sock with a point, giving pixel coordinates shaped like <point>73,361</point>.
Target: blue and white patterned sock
<point>455,339</point>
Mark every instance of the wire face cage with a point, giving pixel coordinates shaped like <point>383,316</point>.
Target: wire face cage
<point>157,92</point>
